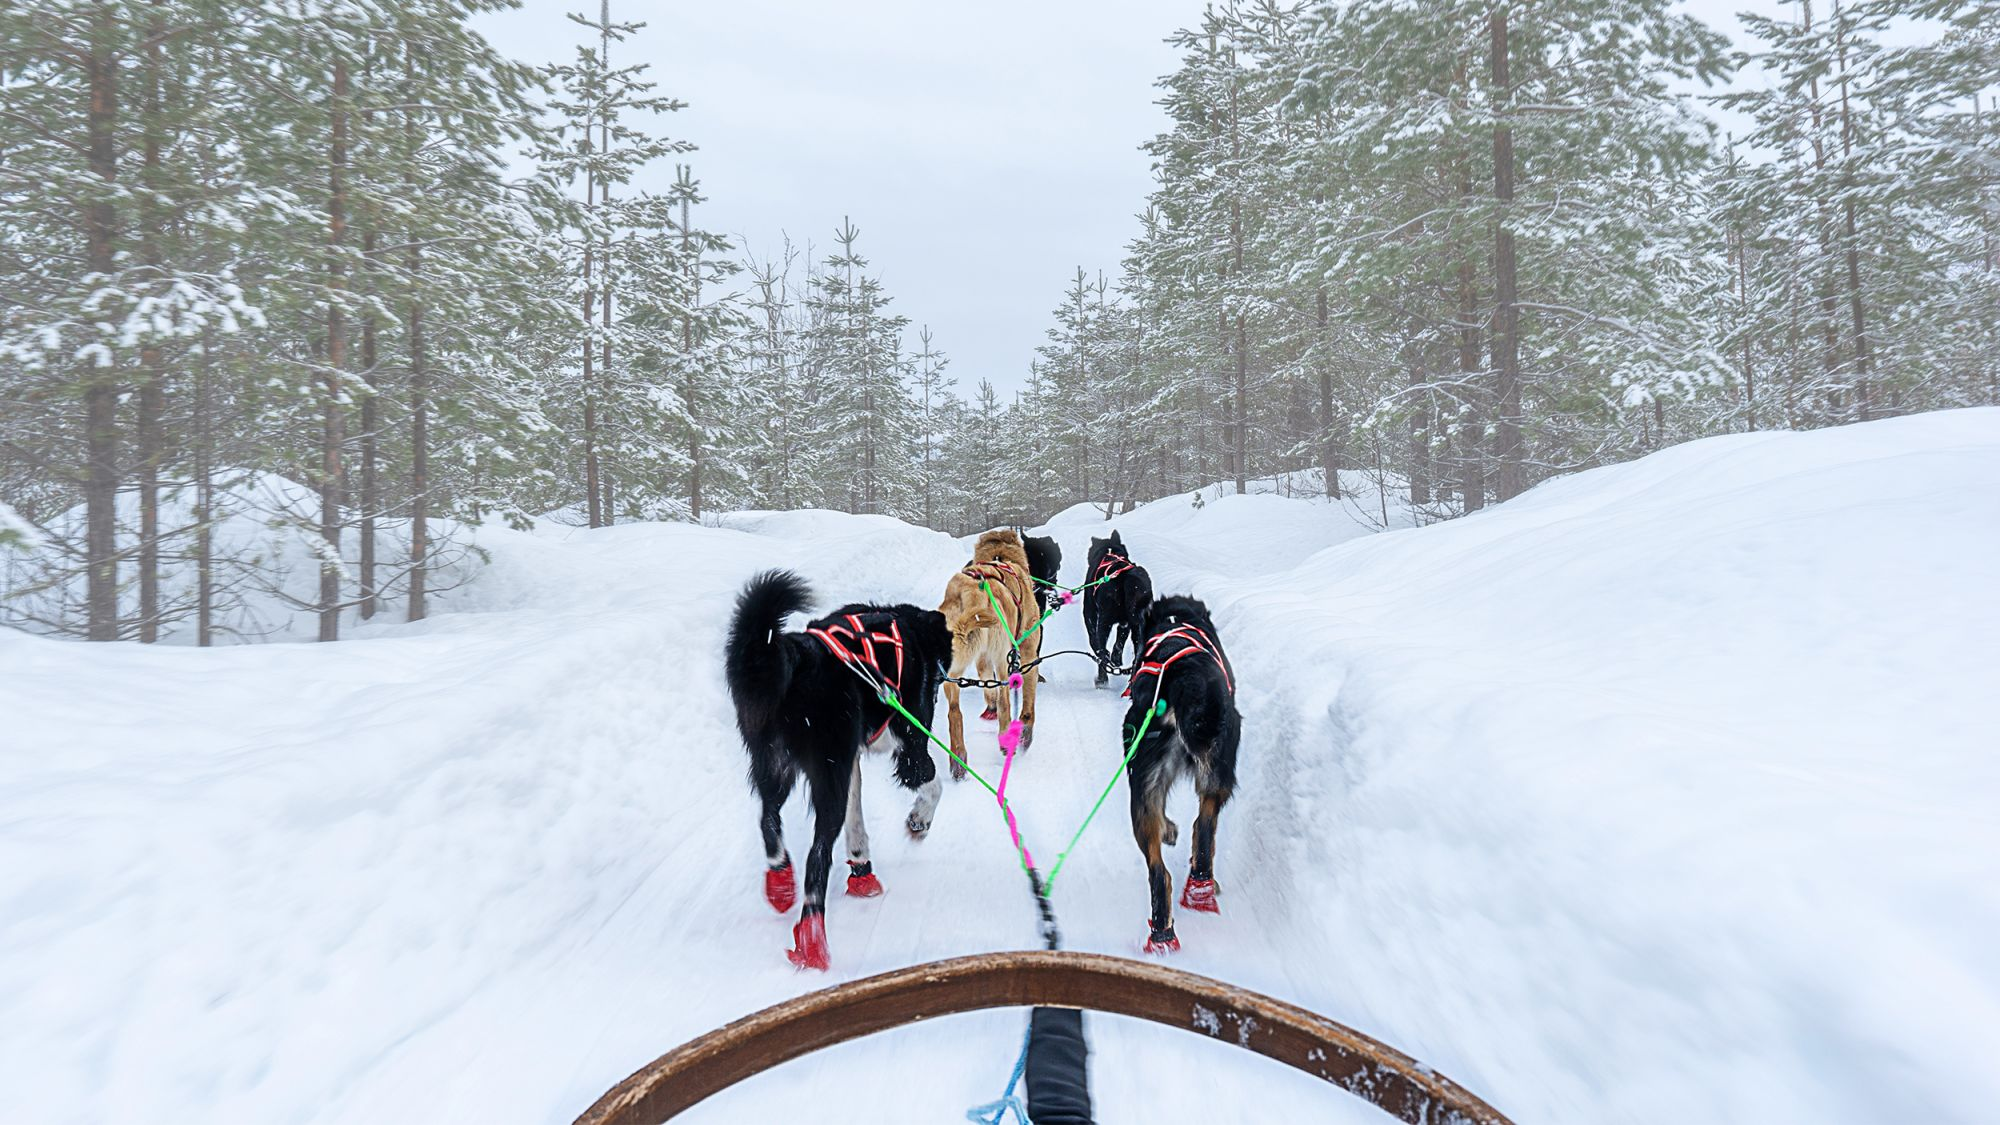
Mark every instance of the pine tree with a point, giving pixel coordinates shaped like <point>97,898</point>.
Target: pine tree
<point>596,146</point>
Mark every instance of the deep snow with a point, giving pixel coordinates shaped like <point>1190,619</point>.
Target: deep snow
<point>1662,793</point>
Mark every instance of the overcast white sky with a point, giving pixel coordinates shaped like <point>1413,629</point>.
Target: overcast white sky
<point>985,150</point>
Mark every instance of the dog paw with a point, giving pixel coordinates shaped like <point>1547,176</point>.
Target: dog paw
<point>1170,833</point>
<point>809,944</point>
<point>1201,894</point>
<point>779,889</point>
<point>917,825</point>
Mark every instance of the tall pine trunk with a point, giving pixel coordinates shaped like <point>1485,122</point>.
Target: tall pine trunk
<point>100,396</point>
<point>1472,421</point>
<point>204,497</point>
<point>420,449</point>
<point>371,493</point>
<point>607,512</point>
<point>1506,312</point>
<point>1242,414</point>
<point>420,405</point>
<point>593,499</point>
<point>1863,353</point>
<point>1329,440</point>
<point>152,389</point>
<point>1743,304</point>
<point>604,477</point>
<point>693,393</point>
<point>333,434</point>
<point>1829,301</point>
<point>1420,458</point>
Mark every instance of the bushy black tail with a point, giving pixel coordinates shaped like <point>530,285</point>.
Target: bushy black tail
<point>759,662</point>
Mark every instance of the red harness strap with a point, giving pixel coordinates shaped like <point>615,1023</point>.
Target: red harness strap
<point>1194,641</point>
<point>983,570</point>
<point>1111,560</point>
<point>844,641</point>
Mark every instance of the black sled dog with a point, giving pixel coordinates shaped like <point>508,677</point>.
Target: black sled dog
<point>1184,680</point>
<point>1115,604</point>
<point>1045,564</point>
<point>808,703</point>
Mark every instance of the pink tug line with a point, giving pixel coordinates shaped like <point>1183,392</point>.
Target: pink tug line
<point>1010,740</point>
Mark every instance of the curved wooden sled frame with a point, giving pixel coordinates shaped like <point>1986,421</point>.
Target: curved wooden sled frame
<point>1292,1035</point>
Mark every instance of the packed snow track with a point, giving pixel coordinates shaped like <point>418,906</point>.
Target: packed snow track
<point>1660,794</point>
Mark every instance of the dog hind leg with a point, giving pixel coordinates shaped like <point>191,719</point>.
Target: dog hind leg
<point>916,769</point>
<point>1148,800</point>
<point>1099,630</point>
<point>861,880</point>
<point>772,776</point>
<point>829,801</point>
<point>1201,893</point>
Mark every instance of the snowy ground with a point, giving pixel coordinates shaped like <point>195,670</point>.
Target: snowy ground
<point>1664,793</point>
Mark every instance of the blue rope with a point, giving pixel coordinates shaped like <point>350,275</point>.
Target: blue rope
<point>992,1112</point>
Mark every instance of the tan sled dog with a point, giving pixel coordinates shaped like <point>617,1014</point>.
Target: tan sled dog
<point>982,639</point>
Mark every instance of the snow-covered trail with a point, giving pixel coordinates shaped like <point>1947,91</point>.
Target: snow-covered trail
<point>1663,793</point>
<point>481,869</point>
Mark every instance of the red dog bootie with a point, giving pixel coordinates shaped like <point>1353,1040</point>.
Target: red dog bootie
<point>990,714</point>
<point>1199,894</point>
<point>779,889</point>
<point>861,880</point>
<point>1161,944</point>
<point>809,944</point>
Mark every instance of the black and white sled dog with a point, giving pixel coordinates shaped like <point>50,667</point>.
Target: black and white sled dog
<point>809,703</point>
<point>1045,563</point>
<point>1116,604</point>
<point>1196,732</point>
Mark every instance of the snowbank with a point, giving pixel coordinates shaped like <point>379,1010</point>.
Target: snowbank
<point>1277,522</point>
<point>1663,793</point>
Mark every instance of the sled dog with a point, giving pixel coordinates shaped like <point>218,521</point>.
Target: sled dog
<point>809,703</point>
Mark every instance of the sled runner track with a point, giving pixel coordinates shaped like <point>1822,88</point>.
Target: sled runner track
<point>1292,1035</point>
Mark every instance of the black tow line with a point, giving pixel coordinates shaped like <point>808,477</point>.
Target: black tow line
<point>966,682</point>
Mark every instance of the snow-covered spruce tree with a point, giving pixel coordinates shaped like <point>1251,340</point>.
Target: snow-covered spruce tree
<point>111,208</point>
<point>1871,184</point>
<point>776,455</point>
<point>860,365</point>
<point>400,114</point>
<point>1551,130</point>
<point>983,440</point>
<point>939,486</point>
<point>1465,238</point>
<point>596,147</point>
<point>682,351</point>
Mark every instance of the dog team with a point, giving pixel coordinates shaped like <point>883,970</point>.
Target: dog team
<point>866,677</point>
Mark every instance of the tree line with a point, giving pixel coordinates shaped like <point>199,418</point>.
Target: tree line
<point>339,272</point>
<point>1464,247</point>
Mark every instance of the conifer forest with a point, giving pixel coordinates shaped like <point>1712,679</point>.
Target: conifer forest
<point>341,271</point>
